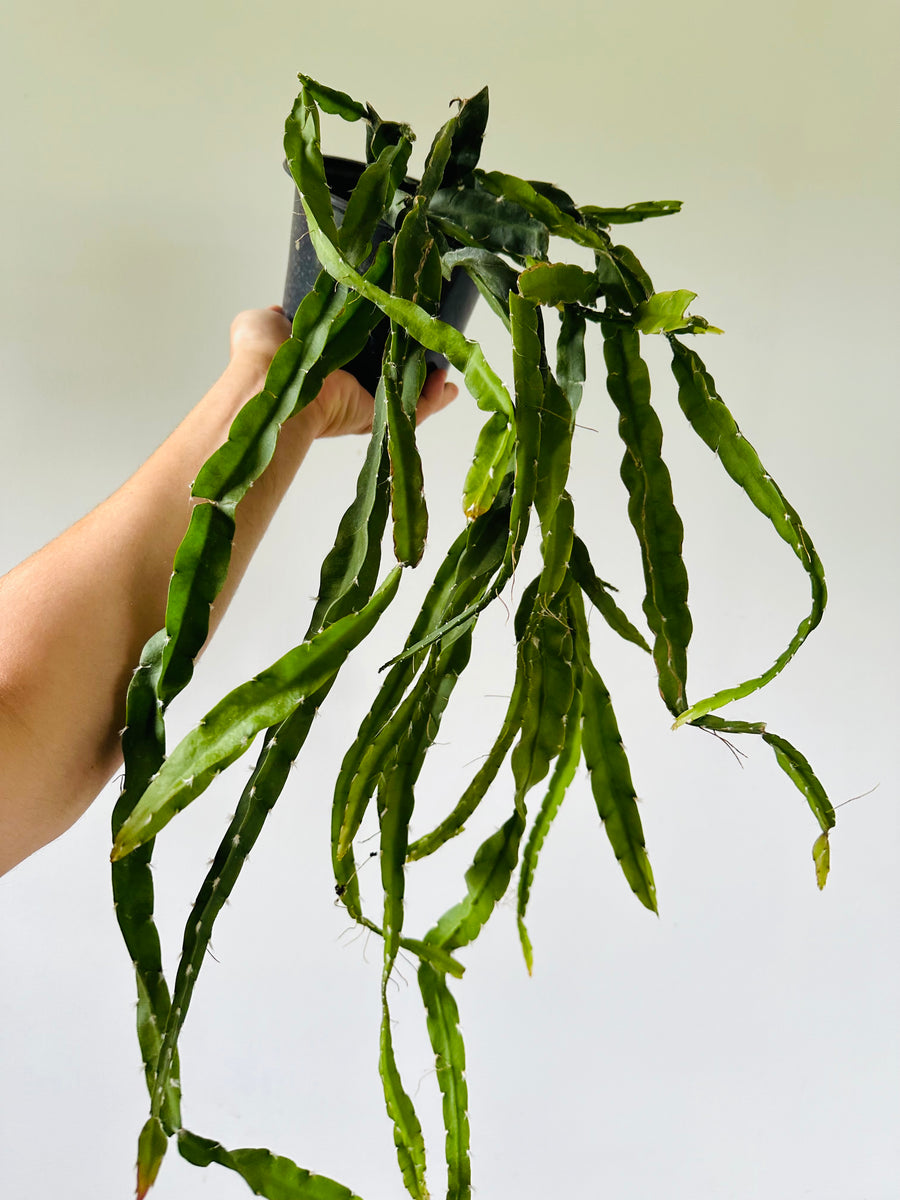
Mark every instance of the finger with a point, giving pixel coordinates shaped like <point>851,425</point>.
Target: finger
<point>432,391</point>
<point>436,394</point>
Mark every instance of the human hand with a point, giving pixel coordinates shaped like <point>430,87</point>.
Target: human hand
<point>342,405</point>
<point>257,333</point>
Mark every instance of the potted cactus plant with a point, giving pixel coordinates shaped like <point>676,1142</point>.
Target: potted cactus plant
<point>382,272</point>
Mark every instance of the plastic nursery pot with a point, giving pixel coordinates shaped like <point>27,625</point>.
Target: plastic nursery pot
<point>458,295</point>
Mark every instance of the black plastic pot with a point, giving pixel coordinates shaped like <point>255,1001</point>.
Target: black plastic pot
<point>458,296</point>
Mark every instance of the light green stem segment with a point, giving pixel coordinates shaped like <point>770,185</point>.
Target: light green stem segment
<point>227,730</point>
<point>486,882</point>
<point>798,769</point>
<point>664,312</point>
<point>563,774</point>
<point>152,1146</point>
<point>337,103</point>
<point>265,1173</point>
<point>494,451</point>
<point>558,284</point>
<point>408,1139</point>
<point>821,853</point>
<point>640,211</point>
<point>442,1018</point>
<point>710,418</point>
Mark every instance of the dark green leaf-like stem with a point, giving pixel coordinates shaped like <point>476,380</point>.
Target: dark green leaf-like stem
<point>652,511</point>
<point>707,413</point>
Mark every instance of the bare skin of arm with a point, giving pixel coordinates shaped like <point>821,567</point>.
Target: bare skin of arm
<point>75,615</point>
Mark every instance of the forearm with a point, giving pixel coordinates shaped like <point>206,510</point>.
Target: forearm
<point>74,616</point>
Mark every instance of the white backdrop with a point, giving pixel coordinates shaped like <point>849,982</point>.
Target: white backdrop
<point>745,1044</point>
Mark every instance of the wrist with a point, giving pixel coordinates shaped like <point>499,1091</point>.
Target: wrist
<point>249,365</point>
<point>255,336</point>
<point>245,377</point>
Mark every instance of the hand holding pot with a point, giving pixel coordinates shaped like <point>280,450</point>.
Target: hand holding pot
<point>343,405</point>
<point>346,407</point>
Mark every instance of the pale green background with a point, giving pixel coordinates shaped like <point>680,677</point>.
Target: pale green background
<point>742,1047</point>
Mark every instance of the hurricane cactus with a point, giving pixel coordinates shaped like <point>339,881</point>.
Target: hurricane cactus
<point>496,228</point>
